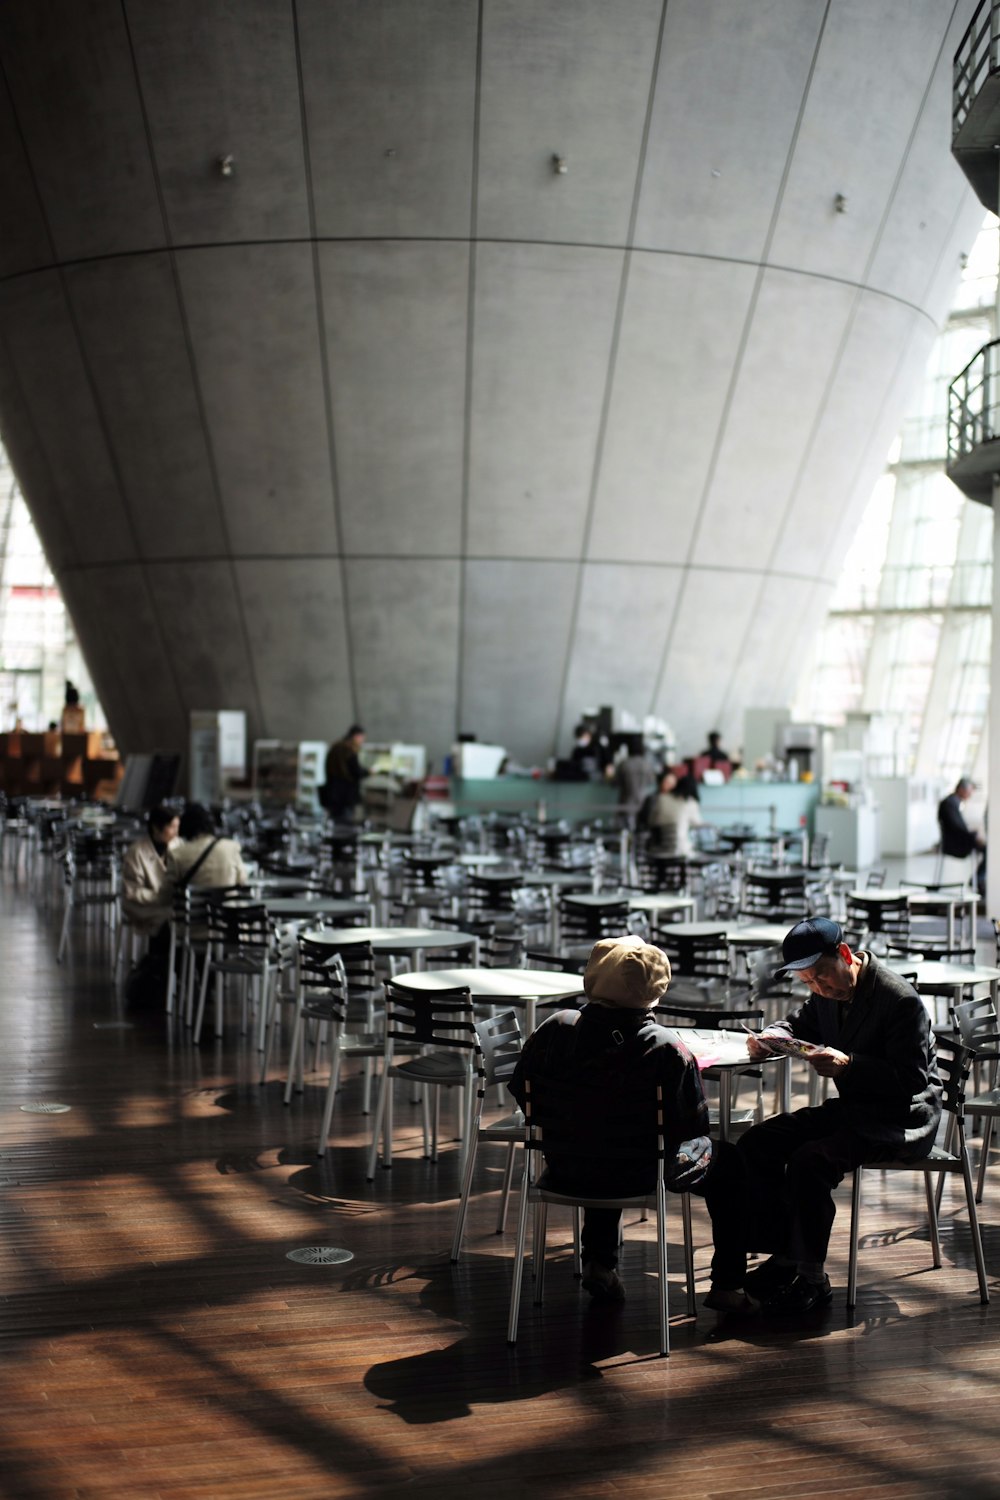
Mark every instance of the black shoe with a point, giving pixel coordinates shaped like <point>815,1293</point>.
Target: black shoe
<point>798,1297</point>
<point>764,1280</point>
<point>603,1283</point>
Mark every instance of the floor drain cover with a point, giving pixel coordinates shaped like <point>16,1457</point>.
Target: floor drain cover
<point>45,1109</point>
<point>320,1255</point>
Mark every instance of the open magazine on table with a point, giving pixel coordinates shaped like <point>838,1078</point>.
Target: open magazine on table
<point>780,1044</point>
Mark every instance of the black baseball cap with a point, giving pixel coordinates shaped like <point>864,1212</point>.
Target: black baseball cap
<point>807,943</point>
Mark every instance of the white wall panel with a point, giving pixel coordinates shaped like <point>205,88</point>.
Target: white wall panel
<point>254,326</point>
<point>404,618</point>
<point>305,693</point>
<point>396,317</point>
<point>873,67</point>
<point>713,172</point>
<point>713,616</point>
<point>71,78</point>
<point>127,314</point>
<point>621,626</point>
<point>570,78</point>
<point>798,325</point>
<point>681,329</point>
<point>390,104</point>
<point>202,622</point>
<point>516,627</point>
<point>543,324</point>
<point>220,79</point>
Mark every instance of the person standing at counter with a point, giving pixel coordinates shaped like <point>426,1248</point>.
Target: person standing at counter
<point>672,813</point>
<point>341,792</point>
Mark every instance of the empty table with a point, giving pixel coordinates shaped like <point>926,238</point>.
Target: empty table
<point>656,904</point>
<point>514,987</point>
<point>407,942</point>
<point>942,978</point>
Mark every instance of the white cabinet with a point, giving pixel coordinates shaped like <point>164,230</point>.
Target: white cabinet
<point>853,832</point>
<point>289,772</point>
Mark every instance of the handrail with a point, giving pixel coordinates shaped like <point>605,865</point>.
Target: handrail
<point>973,414</point>
<point>977,56</point>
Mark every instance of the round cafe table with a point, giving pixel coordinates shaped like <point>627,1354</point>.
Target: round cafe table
<point>512,987</point>
<point>404,942</point>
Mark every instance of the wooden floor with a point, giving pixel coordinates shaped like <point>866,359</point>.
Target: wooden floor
<point>158,1342</point>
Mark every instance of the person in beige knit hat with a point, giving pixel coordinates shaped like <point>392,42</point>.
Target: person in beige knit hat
<point>593,1075</point>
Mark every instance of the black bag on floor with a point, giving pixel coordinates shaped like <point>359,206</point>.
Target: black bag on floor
<point>146,987</point>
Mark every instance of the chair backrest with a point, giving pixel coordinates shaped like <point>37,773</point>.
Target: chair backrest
<point>703,957</point>
<point>977,1025</point>
<point>245,925</point>
<point>875,880</point>
<point>954,1062</point>
<point>607,920</point>
<point>444,1019</point>
<point>323,986</point>
<point>500,1045</point>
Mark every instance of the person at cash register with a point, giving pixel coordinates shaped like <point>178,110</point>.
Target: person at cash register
<point>865,1028</point>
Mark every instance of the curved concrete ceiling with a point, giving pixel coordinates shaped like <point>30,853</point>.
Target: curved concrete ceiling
<point>397,422</point>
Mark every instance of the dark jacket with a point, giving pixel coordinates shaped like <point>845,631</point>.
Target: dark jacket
<point>957,839</point>
<point>593,1076</point>
<point>891,1092</point>
<point>344,775</point>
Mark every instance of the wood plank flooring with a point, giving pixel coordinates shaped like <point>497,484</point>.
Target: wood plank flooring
<point>157,1342</point>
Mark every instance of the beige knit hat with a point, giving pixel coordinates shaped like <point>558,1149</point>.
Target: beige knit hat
<point>626,971</point>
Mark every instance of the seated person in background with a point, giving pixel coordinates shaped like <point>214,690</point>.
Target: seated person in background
<point>871,1034</point>
<point>672,813</point>
<point>599,1067</point>
<point>204,857</point>
<point>583,756</point>
<point>958,840</point>
<point>146,898</point>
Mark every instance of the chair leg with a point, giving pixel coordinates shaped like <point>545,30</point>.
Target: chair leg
<point>522,1230</point>
<point>463,1202</point>
<point>688,1253</point>
<point>852,1270</point>
<point>661,1259</point>
<point>541,1233</point>
<point>508,1174</point>
<point>932,1220</point>
<point>329,1100</point>
<point>381,1109</point>
<point>577,1242</point>
<point>297,1043</point>
<point>984,1157</point>
<point>977,1239</point>
<point>202,997</point>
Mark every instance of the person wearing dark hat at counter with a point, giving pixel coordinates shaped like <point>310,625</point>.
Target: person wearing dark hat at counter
<point>867,1029</point>
<point>599,1067</point>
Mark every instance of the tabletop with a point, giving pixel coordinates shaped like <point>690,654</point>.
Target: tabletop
<point>659,901</point>
<point>498,984</point>
<point>928,971</point>
<point>596,900</point>
<point>315,906</point>
<point>916,898</point>
<point>386,939</point>
<point>564,878</point>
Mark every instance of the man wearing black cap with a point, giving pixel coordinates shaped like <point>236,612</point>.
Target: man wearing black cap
<point>868,1030</point>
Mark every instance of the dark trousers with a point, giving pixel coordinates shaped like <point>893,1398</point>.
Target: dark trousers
<point>724,1192</point>
<point>793,1163</point>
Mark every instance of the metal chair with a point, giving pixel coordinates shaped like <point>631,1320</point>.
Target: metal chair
<point>500,1047</point>
<point>240,945</point>
<point>954,1062</point>
<point>979,1031</point>
<point>545,1119</point>
<point>442,1024</point>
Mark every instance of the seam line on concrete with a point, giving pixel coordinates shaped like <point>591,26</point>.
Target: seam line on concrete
<point>470,335</point>
<point>609,381</point>
<point>331,438</point>
<point>428,239</point>
<point>748,322</point>
<point>199,399</point>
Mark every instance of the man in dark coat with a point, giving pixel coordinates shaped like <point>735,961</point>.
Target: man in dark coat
<point>344,774</point>
<point>597,1070</point>
<point>867,1029</point>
